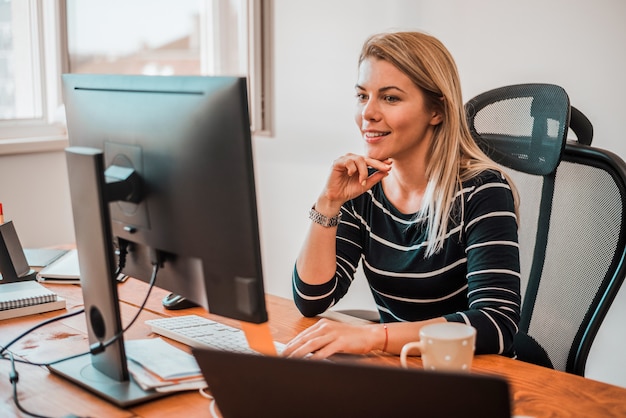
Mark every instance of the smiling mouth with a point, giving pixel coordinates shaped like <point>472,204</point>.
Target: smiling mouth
<point>375,135</point>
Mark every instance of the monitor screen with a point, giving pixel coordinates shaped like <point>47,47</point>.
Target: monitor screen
<point>185,141</point>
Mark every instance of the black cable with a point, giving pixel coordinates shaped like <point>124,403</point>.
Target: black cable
<point>122,250</point>
<point>41,324</point>
<point>14,378</point>
<point>100,346</point>
<point>33,363</point>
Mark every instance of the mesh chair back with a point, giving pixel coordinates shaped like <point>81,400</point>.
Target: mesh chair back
<point>584,262</point>
<point>523,126</point>
<point>572,200</point>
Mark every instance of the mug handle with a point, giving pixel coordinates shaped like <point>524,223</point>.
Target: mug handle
<point>406,348</point>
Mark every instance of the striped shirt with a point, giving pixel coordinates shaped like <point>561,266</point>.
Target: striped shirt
<point>474,278</point>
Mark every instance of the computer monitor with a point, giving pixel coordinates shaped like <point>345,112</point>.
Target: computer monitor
<point>164,165</point>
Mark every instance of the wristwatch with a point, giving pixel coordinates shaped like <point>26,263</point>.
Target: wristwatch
<point>323,220</point>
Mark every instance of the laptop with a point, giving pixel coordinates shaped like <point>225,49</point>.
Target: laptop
<point>248,385</point>
<point>65,269</point>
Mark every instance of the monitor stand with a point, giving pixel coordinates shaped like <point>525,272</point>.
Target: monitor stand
<point>106,372</point>
<point>81,371</point>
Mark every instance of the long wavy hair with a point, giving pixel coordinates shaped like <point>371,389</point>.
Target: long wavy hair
<point>454,156</point>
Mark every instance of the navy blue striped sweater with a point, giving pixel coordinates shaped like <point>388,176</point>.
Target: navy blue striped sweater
<point>474,278</point>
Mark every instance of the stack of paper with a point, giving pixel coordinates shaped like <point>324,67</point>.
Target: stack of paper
<point>155,364</point>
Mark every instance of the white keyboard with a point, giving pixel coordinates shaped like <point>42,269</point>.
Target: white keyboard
<point>200,332</point>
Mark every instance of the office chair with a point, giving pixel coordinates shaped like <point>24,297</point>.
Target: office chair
<point>572,226</point>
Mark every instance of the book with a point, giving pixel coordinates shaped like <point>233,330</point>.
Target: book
<point>33,309</point>
<point>63,270</point>
<point>26,298</point>
<point>25,293</point>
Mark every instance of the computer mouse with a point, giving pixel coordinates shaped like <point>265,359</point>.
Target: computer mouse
<point>176,302</point>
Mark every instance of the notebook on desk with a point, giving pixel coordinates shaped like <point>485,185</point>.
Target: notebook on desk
<point>26,298</point>
<point>255,385</point>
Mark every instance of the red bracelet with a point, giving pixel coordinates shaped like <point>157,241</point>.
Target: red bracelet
<point>386,337</point>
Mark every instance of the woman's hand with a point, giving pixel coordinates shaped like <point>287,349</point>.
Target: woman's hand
<point>349,177</point>
<point>328,337</point>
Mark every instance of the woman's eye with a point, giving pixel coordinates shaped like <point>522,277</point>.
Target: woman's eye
<point>361,97</point>
<point>391,99</point>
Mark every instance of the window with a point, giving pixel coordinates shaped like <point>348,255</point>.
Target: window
<point>40,39</point>
<point>18,62</point>
<point>27,104</point>
<point>156,37</point>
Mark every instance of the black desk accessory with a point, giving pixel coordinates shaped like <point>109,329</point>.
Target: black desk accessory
<point>13,264</point>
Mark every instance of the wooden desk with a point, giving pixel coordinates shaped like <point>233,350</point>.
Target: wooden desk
<point>536,391</point>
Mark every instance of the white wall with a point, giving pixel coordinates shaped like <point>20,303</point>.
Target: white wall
<point>578,45</point>
<point>35,195</point>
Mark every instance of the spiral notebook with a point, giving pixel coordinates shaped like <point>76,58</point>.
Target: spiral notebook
<point>27,297</point>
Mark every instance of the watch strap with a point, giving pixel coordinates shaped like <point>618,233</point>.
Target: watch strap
<point>324,220</point>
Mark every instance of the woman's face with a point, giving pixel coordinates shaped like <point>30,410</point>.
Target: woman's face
<point>391,113</point>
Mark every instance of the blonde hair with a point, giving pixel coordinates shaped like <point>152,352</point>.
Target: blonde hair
<point>454,156</point>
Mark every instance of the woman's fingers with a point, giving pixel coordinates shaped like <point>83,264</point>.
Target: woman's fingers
<point>304,343</point>
<point>373,179</point>
<point>326,338</point>
<point>353,164</point>
<point>350,177</point>
<point>362,169</point>
<point>351,167</point>
<point>382,170</point>
<point>384,165</point>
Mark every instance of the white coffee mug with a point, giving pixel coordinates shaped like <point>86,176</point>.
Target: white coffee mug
<point>447,346</point>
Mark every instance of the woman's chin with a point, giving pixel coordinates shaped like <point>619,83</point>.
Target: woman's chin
<point>375,155</point>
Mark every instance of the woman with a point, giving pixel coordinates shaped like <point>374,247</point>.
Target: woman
<point>431,218</point>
